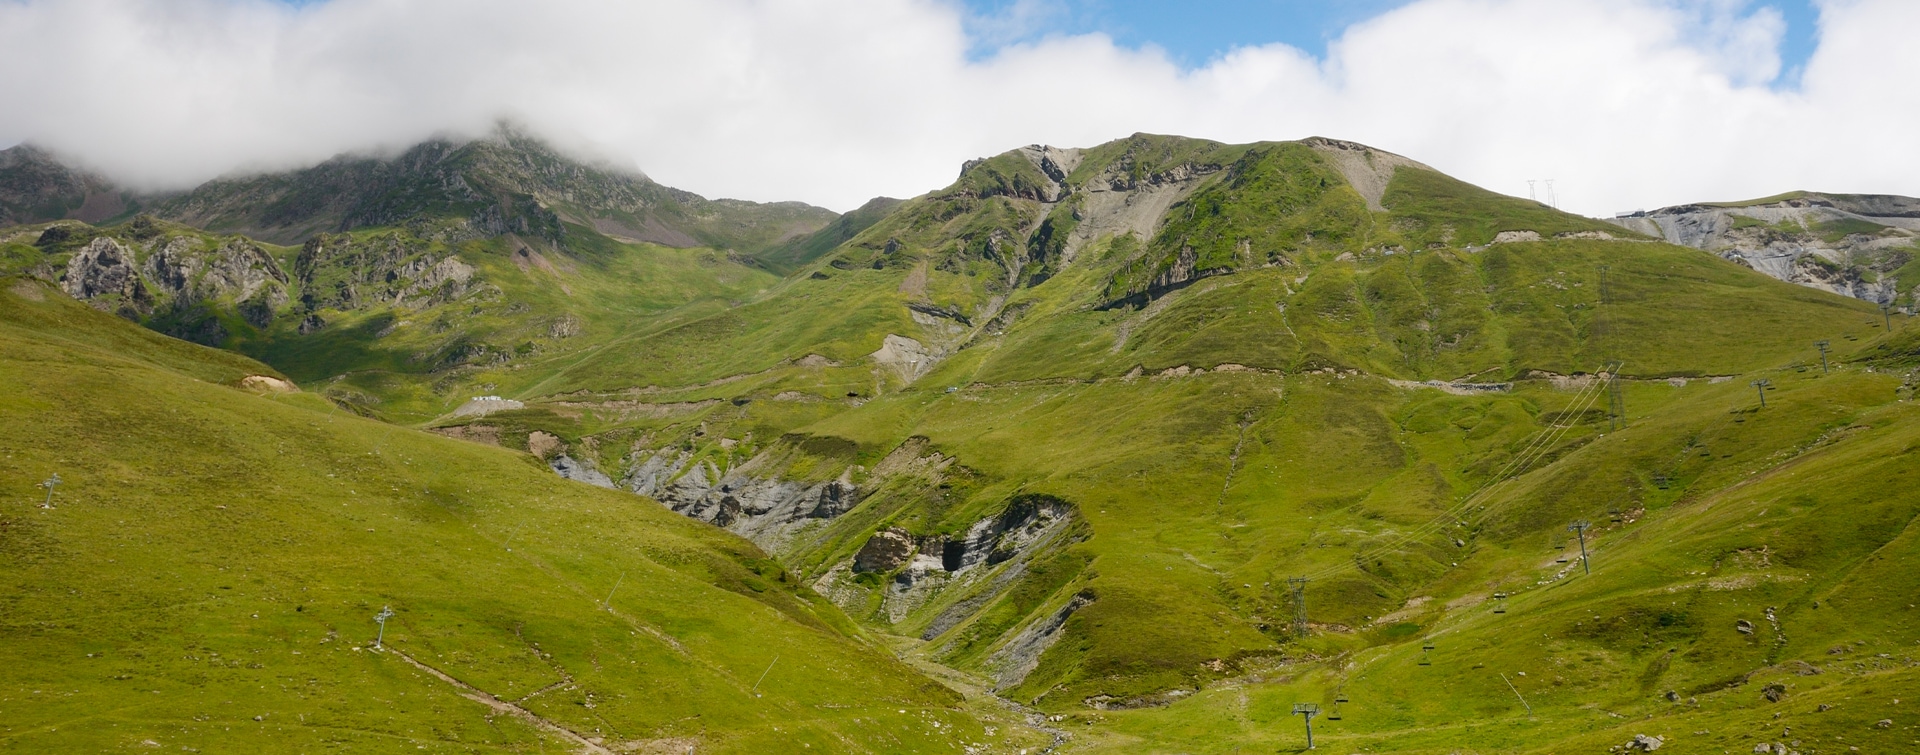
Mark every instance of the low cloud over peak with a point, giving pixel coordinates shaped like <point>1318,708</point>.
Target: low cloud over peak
<point>1626,103</point>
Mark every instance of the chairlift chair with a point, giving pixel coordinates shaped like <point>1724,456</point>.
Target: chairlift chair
<point>1340,698</point>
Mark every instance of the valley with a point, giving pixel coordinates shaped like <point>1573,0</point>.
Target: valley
<point>1034,462</point>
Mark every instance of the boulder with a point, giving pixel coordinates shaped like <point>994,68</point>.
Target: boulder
<point>887,550</point>
<point>1644,743</point>
<point>544,444</point>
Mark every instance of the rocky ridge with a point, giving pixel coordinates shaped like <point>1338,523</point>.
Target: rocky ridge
<point>1852,245</point>
<point>504,182</point>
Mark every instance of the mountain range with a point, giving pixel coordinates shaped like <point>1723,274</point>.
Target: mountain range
<point>1129,448</point>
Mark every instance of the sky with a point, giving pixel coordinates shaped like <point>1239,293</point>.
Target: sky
<point>1624,104</point>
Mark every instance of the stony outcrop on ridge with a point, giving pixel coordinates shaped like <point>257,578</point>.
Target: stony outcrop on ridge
<point>1850,244</point>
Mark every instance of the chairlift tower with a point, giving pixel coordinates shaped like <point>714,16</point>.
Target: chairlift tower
<point>1822,346</point>
<point>1761,386</point>
<point>386,612</point>
<point>1579,528</point>
<point>51,481</point>
<point>1309,710</point>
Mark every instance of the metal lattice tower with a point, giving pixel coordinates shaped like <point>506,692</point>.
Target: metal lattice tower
<point>1616,403</point>
<point>1299,587</point>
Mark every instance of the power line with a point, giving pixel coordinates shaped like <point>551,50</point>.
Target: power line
<point>1519,464</point>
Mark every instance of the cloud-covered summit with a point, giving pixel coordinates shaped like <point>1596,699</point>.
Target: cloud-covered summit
<point>1626,103</point>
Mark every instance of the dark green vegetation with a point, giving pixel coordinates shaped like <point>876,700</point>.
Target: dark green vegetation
<point>1069,425</point>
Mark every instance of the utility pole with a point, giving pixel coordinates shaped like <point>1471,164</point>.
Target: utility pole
<point>1299,587</point>
<point>386,612</point>
<point>1579,527</point>
<point>763,674</point>
<point>1761,386</point>
<point>616,586</point>
<point>1822,346</point>
<point>51,481</point>
<point>1309,710</point>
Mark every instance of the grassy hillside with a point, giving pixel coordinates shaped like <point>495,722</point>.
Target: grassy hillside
<point>209,571</point>
<point>1069,426</point>
<point>1211,441</point>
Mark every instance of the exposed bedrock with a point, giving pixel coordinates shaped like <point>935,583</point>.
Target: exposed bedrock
<point>766,510</point>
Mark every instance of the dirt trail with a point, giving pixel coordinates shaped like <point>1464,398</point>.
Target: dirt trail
<point>913,652</point>
<point>478,695</point>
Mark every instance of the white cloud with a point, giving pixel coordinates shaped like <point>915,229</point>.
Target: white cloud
<point>1626,103</point>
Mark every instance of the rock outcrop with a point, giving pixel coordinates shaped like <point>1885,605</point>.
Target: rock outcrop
<point>103,273</point>
<point>238,269</point>
<point>766,510</point>
<point>580,471</point>
<point>1848,244</point>
<point>1021,654</point>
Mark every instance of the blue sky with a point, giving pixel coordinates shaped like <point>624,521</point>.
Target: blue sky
<point>1196,31</point>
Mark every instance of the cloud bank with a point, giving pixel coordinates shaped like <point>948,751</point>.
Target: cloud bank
<point>1625,103</point>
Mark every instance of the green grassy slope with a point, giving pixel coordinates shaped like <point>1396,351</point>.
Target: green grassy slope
<point>1285,453</point>
<point>210,569</point>
<point>1275,382</point>
<point>1802,512</point>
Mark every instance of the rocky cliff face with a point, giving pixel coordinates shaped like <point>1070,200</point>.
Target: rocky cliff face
<point>936,582</point>
<point>187,284</point>
<point>1853,245</point>
<point>751,499</point>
